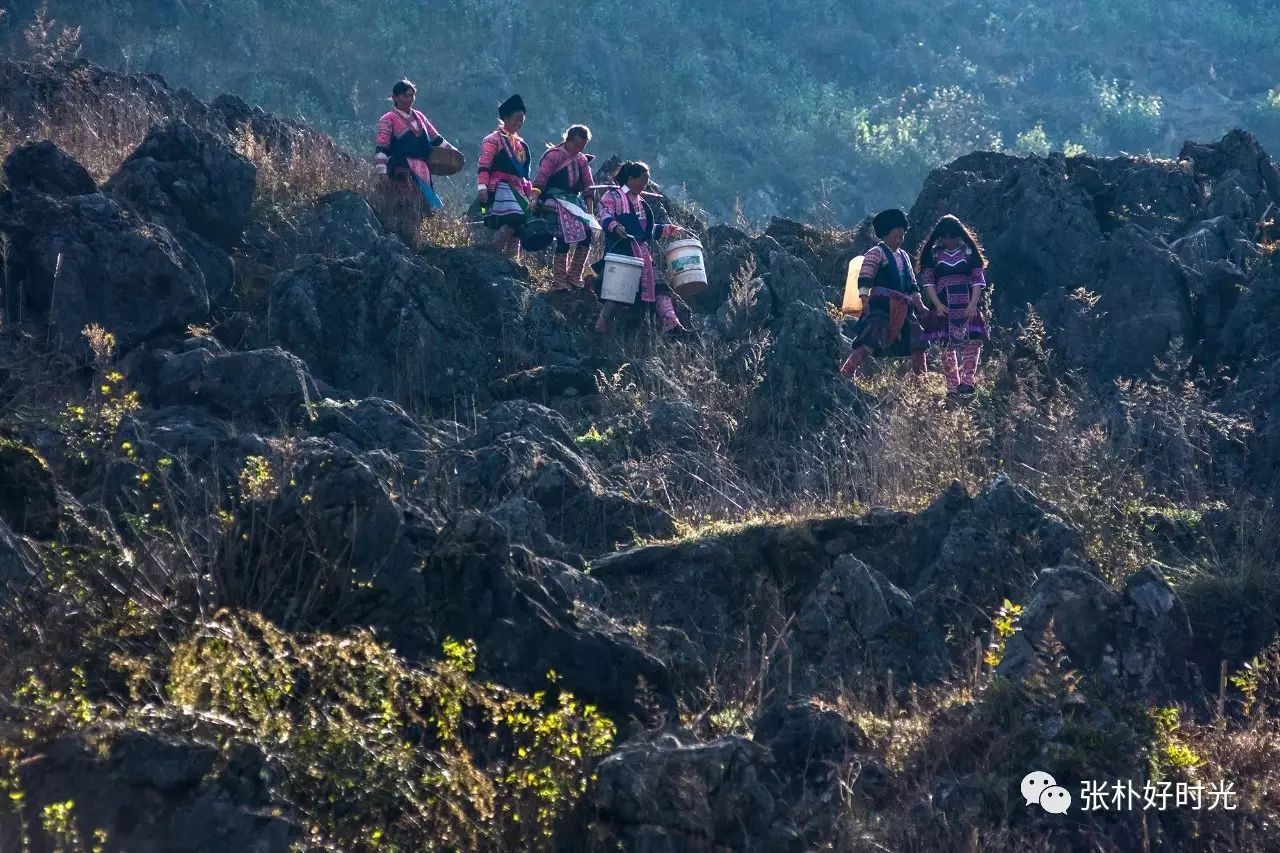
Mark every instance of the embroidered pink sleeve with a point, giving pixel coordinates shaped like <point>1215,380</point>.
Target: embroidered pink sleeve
<point>551,163</point>
<point>870,265</point>
<point>979,277</point>
<point>488,150</point>
<point>610,207</point>
<point>382,138</point>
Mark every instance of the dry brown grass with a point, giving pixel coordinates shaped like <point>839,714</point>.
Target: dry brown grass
<point>1097,457</point>
<point>446,229</point>
<point>100,134</point>
<point>311,167</point>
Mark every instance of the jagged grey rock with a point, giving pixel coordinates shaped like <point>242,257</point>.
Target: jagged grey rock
<point>525,449</point>
<point>43,167</point>
<point>87,259</point>
<point>667,796</point>
<point>192,805</point>
<point>184,176</point>
<point>260,385</point>
<point>378,322</point>
<point>1136,640</point>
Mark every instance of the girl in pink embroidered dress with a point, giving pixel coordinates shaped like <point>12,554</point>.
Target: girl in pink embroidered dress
<point>630,225</point>
<point>953,269</point>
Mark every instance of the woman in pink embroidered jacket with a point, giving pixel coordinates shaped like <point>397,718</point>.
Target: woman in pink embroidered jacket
<point>890,325</point>
<point>402,144</point>
<point>630,227</point>
<point>952,268</point>
<point>502,181</point>
<point>563,176</point>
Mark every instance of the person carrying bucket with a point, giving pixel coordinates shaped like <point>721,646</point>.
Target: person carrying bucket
<point>890,324</point>
<point>563,175</point>
<point>503,177</point>
<point>402,146</point>
<point>630,228</point>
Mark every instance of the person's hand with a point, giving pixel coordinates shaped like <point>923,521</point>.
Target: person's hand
<point>380,168</point>
<point>971,312</point>
<point>482,196</point>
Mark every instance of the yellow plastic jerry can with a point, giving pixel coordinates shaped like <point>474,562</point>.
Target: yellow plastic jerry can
<point>852,301</point>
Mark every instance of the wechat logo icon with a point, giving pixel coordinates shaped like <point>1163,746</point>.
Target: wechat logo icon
<point>1039,787</point>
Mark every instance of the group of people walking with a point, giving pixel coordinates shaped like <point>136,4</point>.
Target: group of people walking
<point>509,193</point>
<point>896,321</point>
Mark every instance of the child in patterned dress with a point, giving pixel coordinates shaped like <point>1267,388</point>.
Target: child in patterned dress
<point>953,270</point>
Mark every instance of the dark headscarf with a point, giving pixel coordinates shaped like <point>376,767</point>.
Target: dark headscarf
<point>511,106</point>
<point>887,220</point>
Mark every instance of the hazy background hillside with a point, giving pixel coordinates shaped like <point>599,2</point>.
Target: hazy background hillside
<point>778,104</point>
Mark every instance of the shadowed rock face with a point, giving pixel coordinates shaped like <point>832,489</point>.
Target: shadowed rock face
<point>850,598</point>
<point>150,793</point>
<point>194,183</point>
<point>43,167</point>
<point>375,321</point>
<point>261,385</point>
<point>84,259</point>
<point>28,493</point>
<point>525,449</point>
<point>1136,640</point>
<point>669,796</point>
<point>184,177</point>
<point>799,386</point>
<point>19,561</point>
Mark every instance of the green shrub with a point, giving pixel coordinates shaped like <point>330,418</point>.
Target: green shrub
<point>433,756</point>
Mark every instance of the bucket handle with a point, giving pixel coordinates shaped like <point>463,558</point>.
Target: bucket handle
<point>615,243</point>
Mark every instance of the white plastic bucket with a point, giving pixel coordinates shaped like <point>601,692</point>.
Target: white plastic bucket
<point>621,279</point>
<point>686,269</point>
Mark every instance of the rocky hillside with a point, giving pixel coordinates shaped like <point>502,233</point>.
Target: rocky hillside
<point>846,105</point>
<point>317,533</point>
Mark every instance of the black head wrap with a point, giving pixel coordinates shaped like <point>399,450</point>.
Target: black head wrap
<point>511,106</point>
<point>887,220</point>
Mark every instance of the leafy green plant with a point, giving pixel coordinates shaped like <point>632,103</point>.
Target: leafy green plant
<point>1258,681</point>
<point>420,748</point>
<point>1129,118</point>
<point>594,440</point>
<point>1033,141</point>
<point>1171,753</point>
<point>1003,626</point>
